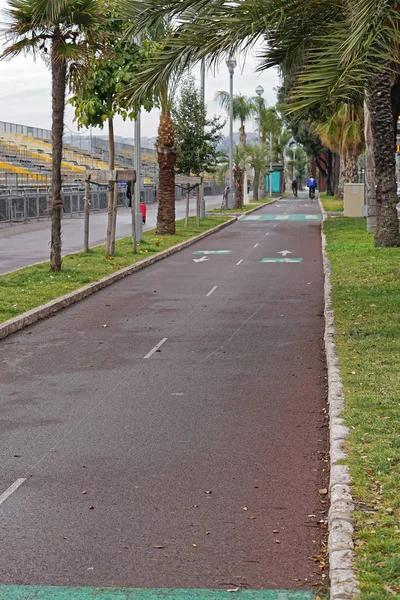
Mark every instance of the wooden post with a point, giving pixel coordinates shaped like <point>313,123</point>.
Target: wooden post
<point>187,204</point>
<point>114,218</point>
<point>87,209</point>
<point>198,206</point>
<point>110,217</point>
<point>133,214</point>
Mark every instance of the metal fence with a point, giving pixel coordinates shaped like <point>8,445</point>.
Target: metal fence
<point>27,203</point>
<point>34,204</point>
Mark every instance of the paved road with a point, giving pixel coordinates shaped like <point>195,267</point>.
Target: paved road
<point>182,445</point>
<point>28,243</point>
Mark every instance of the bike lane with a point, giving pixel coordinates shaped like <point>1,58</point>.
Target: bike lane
<point>193,425</point>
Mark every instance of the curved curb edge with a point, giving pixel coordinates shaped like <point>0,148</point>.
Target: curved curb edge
<point>46,310</point>
<point>344,584</point>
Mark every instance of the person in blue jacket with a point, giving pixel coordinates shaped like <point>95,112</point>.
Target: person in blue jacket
<point>311,184</point>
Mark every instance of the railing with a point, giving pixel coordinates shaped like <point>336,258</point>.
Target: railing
<point>32,202</point>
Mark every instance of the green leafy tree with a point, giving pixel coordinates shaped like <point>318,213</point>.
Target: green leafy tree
<point>98,92</point>
<point>196,136</point>
<point>62,33</point>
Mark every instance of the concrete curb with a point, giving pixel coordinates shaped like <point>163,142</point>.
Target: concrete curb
<point>46,310</point>
<point>248,212</point>
<point>344,584</point>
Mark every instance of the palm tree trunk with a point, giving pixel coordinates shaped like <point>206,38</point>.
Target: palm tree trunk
<point>329,172</point>
<point>166,182</point>
<point>239,179</point>
<point>335,173</point>
<point>242,135</point>
<point>58,76</point>
<point>263,186</point>
<point>256,184</point>
<point>382,126</point>
<point>370,191</point>
<point>110,206</point>
<point>351,168</point>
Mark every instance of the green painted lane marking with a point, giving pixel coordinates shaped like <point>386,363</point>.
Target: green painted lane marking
<point>282,260</point>
<point>212,252</point>
<point>28,592</point>
<point>275,217</point>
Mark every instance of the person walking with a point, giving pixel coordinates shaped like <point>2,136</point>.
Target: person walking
<point>294,187</point>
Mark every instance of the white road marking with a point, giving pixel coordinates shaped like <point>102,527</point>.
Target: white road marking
<point>156,347</point>
<point>281,217</point>
<point>11,489</point>
<point>212,290</point>
<point>240,261</point>
<point>268,232</point>
<point>311,216</point>
<point>274,225</point>
<point>255,246</point>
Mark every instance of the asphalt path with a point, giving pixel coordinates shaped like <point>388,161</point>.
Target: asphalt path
<point>168,431</point>
<point>24,244</point>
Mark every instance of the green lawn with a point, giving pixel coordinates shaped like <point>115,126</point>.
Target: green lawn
<point>331,204</point>
<point>253,204</point>
<point>366,300</point>
<point>32,286</point>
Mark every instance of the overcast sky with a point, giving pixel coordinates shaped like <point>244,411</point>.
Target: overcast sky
<point>25,93</point>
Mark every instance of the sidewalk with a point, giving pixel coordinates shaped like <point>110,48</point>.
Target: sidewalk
<point>169,431</point>
<point>28,243</point>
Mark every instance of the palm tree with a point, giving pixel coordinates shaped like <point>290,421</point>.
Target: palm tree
<point>242,109</point>
<point>360,58</point>
<point>342,132</point>
<point>240,162</point>
<point>166,153</point>
<point>258,157</point>
<point>60,32</point>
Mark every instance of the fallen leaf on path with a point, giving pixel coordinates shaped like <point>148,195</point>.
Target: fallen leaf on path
<point>208,492</point>
<point>244,508</point>
<point>194,545</point>
<point>251,518</point>
<point>275,531</point>
<point>323,492</point>
<point>91,507</point>
<point>105,325</point>
<point>277,541</point>
<point>84,492</point>
<point>234,589</point>
<point>159,547</point>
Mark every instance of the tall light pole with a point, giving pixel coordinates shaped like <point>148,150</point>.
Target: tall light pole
<point>231,64</point>
<point>137,163</point>
<point>259,92</point>
<point>203,98</point>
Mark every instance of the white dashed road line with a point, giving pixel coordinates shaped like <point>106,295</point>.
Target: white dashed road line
<point>212,290</point>
<point>240,261</point>
<point>255,246</point>
<point>11,489</point>
<point>156,347</point>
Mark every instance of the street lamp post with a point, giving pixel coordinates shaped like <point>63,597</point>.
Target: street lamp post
<point>231,64</point>
<point>259,92</point>
<point>137,163</point>
<point>203,97</point>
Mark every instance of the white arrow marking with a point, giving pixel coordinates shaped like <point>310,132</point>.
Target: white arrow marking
<point>284,252</point>
<point>202,259</point>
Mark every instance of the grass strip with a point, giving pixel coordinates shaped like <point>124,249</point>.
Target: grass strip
<point>243,209</point>
<point>366,302</point>
<point>33,286</point>
<point>331,203</point>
